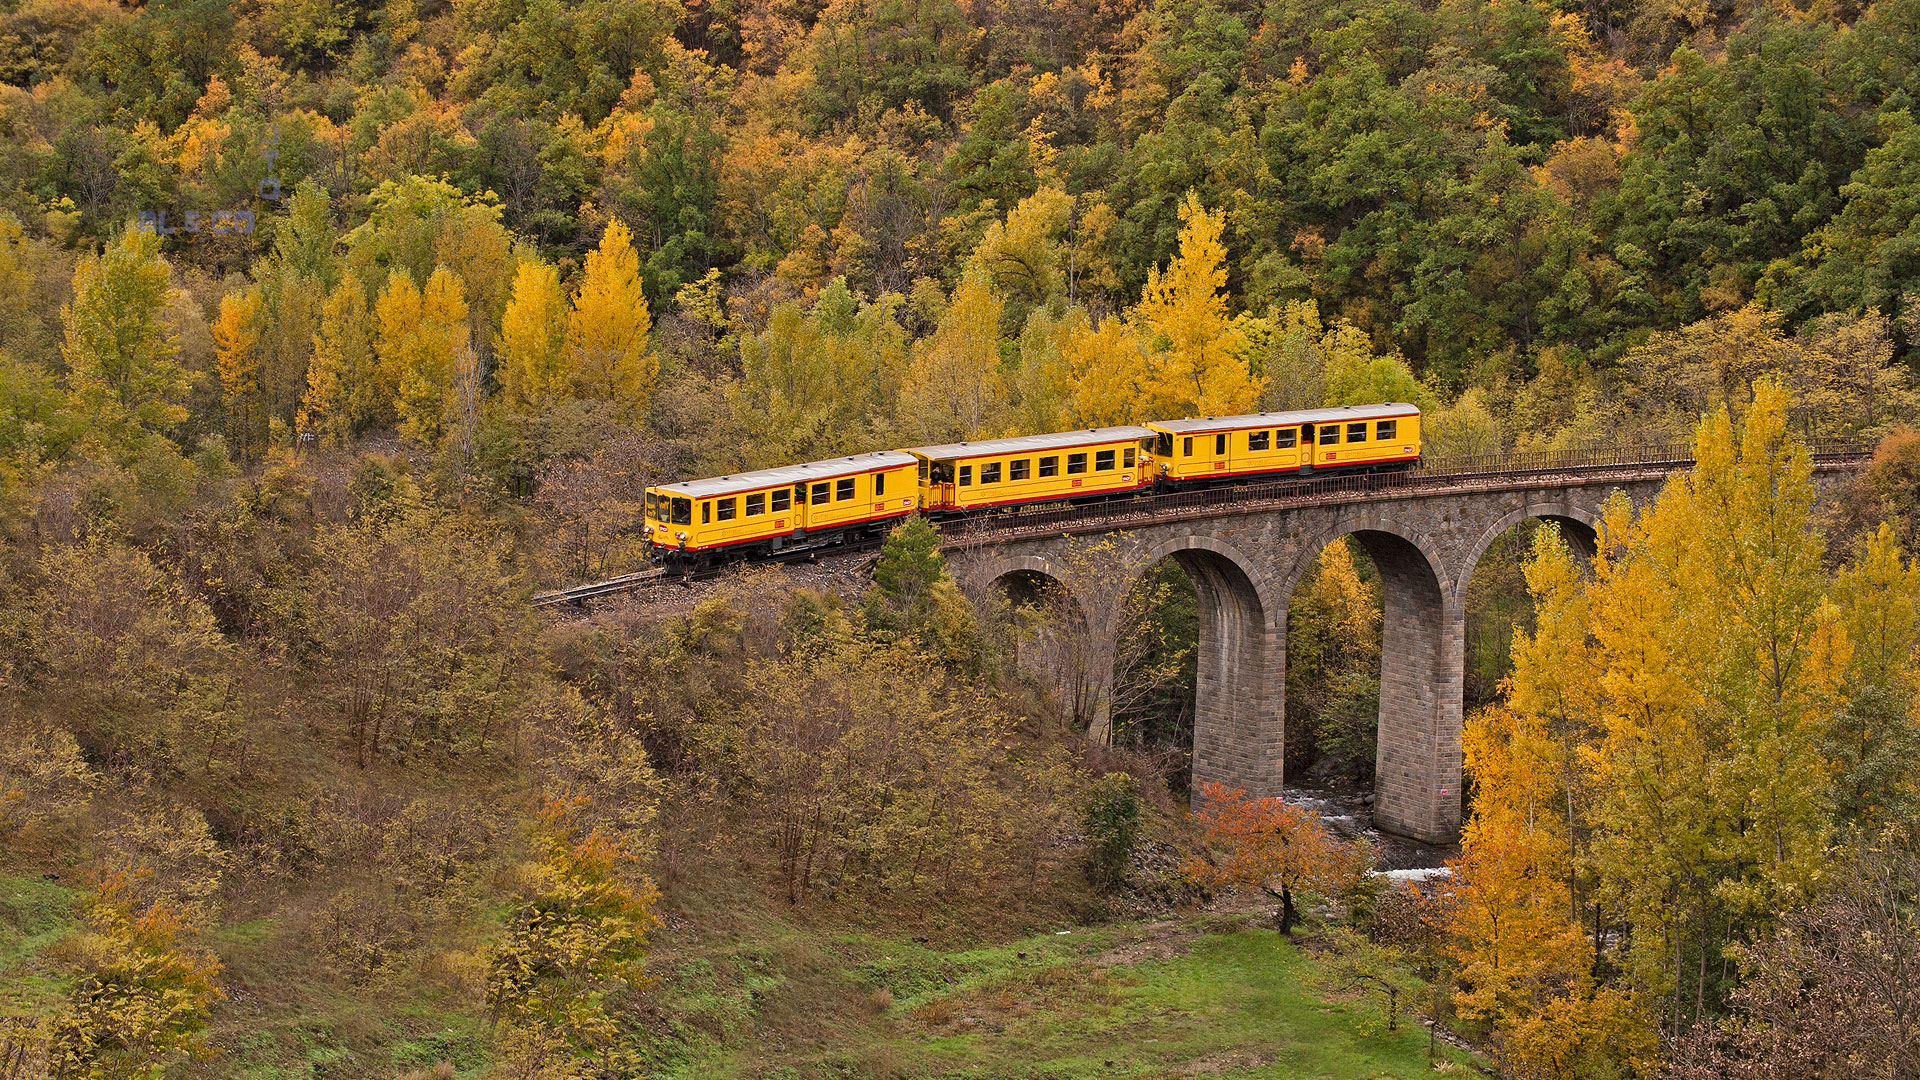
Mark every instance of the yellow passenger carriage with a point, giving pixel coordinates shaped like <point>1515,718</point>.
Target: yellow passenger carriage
<point>1345,438</point>
<point>753,514</point>
<point>1065,465</point>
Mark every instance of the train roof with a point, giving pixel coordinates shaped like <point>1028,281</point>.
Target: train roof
<point>1057,440</point>
<point>789,474</point>
<point>1280,419</point>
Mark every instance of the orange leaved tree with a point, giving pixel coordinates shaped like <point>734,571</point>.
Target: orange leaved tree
<point>1266,843</point>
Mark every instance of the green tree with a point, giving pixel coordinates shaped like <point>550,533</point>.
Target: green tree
<point>122,356</point>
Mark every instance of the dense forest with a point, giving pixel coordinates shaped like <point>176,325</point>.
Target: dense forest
<point>330,331</point>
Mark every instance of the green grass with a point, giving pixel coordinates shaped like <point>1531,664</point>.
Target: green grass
<point>34,914</point>
<point>1205,997</point>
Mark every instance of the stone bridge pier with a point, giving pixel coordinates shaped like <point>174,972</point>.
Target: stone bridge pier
<point>1245,566</point>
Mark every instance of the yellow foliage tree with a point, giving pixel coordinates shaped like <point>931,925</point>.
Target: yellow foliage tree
<point>421,335</point>
<point>1108,369</point>
<point>1180,354</point>
<point>345,388</point>
<point>535,365</point>
<point>607,330</point>
<point>953,388</point>
<point>1200,370</point>
<point>236,350</point>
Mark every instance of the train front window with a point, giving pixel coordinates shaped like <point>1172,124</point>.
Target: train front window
<point>1330,435</point>
<point>1283,438</point>
<point>966,476</point>
<point>1103,461</point>
<point>756,504</point>
<point>990,473</point>
<point>1049,466</point>
<point>821,493</point>
<point>1163,444</point>
<point>843,490</point>
<point>683,511</point>
<point>1257,440</point>
<point>782,499</point>
<point>1017,470</point>
<point>1076,463</point>
<point>1385,430</point>
<point>1357,432</point>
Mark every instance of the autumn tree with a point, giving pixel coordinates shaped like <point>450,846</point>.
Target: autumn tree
<point>121,354</point>
<point>534,360</point>
<point>1180,353</point>
<point>576,944</point>
<point>421,336</point>
<point>1267,844</point>
<point>346,388</point>
<point>236,341</point>
<point>143,1003</point>
<point>606,336</point>
<point>953,389</point>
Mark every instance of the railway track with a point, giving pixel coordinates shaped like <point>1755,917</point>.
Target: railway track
<point>661,577</point>
<point>1489,473</point>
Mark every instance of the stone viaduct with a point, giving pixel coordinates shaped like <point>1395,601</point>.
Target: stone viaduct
<point>1246,551</point>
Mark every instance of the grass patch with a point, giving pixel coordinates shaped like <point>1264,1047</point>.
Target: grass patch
<point>34,914</point>
<point>1207,997</point>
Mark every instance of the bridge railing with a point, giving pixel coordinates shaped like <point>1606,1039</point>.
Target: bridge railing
<point>1433,474</point>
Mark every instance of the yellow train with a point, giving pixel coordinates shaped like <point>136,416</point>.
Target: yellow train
<point>860,497</point>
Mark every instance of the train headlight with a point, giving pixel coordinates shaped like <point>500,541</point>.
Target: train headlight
<point>679,536</point>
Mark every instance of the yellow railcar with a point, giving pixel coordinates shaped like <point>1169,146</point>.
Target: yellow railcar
<point>1065,465</point>
<point>773,510</point>
<point>1346,438</point>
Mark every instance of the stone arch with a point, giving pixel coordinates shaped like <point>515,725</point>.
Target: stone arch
<point>1239,722</point>
<point>1579,525</point>
<point>1423,633</point>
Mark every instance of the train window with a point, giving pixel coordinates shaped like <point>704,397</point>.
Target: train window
<point>923,470</point>
<point>1330,435</point>
<point>879,484</point>
<point>1186,446</point>
<point>1017,470</point>
<point>1219,446</point>
<point>1076,463</point>
<point>966,476</point>
<point>820,493</point>
<point>1257,440</point>
<point>1127,458</point>
<point>1050,466</point>
<point>781,500</point>
<point>1385,429</point>
<point>1163,445</point>
<point>990,473</point>
<point>756,504</point>
<point>1283,438</point>
<point>727,507</point>
<point>1357,432</point>
<point>843,490</point>
<point>1103,461</point>
<point>706,513</point>
<point>683,511</point>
